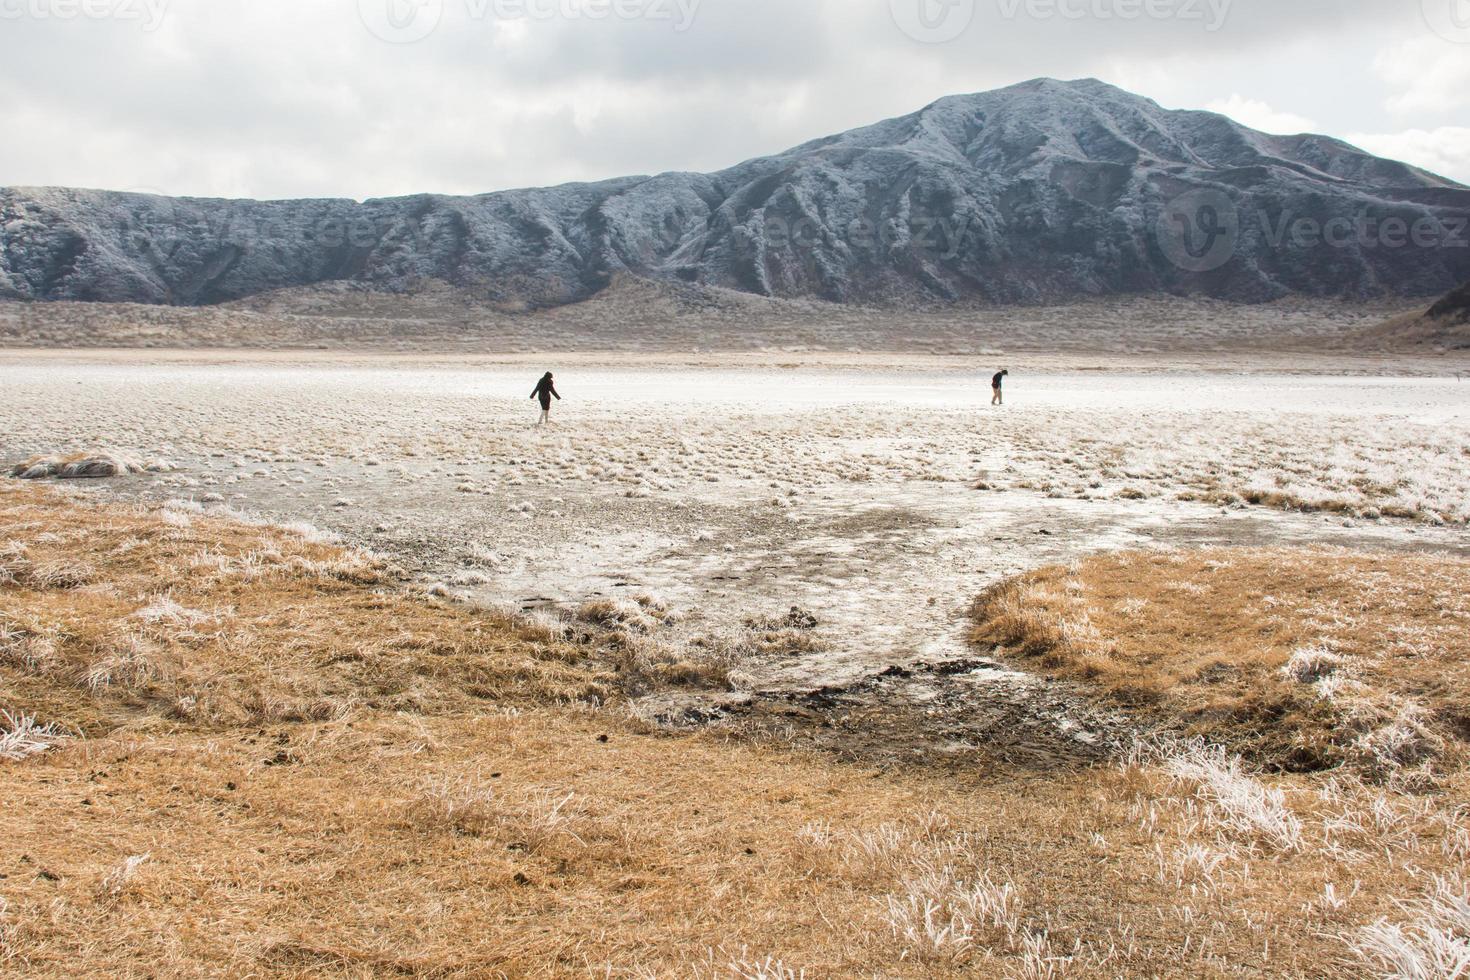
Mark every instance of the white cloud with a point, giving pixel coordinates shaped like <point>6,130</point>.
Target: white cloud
<point>1428,74</point>
<point>1258,115</point>
<point>1445,151</point>
<point>276,98</point>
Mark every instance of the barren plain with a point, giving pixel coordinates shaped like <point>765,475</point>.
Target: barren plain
<point>781,548</point>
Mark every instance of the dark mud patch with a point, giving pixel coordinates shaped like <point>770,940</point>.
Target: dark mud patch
<point>882,520</point>
<point>970,715</point>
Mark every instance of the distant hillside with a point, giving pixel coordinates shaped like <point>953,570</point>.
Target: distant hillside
<point>1041,192</point>
<point>1454,308</point>
<point>1445,325</point>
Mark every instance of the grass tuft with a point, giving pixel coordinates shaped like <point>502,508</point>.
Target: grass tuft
<point>21,737</point>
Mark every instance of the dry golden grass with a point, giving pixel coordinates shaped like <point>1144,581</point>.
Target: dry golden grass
<point>504,845</point>
<point>458,813</point>
<point>208,621</point>
<point>1306,657</point>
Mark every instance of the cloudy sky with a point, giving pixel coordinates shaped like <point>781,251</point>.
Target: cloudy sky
<point>368,98</point>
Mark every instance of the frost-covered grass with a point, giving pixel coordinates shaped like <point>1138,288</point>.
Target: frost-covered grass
<point>1226,831</point>
<point>663,471</point>
<point>653,851</point>
<point>22,737</point>
<point>1305,658</point>
<point>1238,802</point>
<point>1350,449</point>
<point>81,466</point>
<point>1360,466</point>
<point>1430,942</point>
<point>121,878</point>
<point>939,915</point>
<point>1311,664</point>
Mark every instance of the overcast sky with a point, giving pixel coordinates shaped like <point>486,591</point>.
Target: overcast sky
<point>369,98</point>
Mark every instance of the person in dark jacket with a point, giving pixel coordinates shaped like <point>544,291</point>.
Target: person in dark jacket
<point>545,391</point>
<point>998,398</point>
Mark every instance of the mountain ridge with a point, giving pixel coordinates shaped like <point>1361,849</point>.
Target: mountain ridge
<point>1042,191</point>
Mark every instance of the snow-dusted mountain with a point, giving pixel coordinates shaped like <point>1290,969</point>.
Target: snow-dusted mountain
<point>1045,190</point>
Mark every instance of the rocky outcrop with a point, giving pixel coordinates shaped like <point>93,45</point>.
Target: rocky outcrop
<point>1040,192</point>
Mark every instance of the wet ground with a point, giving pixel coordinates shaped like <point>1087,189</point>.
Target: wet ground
<point>848,492</point>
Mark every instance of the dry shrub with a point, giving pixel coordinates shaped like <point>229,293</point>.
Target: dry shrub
<point>539,817</point>
<point>24,650</point>
<point>131,662</point>
<point>646,654</point>
<point>8,937</point>
<point>796,619</point>
<point>640,615</point>
<point>78,466</point>
<point>1308,665</point>
<point>1402,748</point>
<point>1303,658</point>
<point>773,642</point>
<point>644,664</point>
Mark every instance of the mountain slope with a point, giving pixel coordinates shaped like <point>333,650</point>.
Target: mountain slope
<point>1042,191</point>
<point>1454,308</point>
<point>1444,326</point>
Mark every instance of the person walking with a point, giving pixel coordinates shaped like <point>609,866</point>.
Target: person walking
<point>998,396</point>
<point>545,390</point>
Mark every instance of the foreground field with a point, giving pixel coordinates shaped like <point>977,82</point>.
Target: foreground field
<point>279,763</point>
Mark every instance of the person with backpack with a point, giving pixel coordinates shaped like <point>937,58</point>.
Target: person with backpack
<point>545,390</point>
<point>998,397</point>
